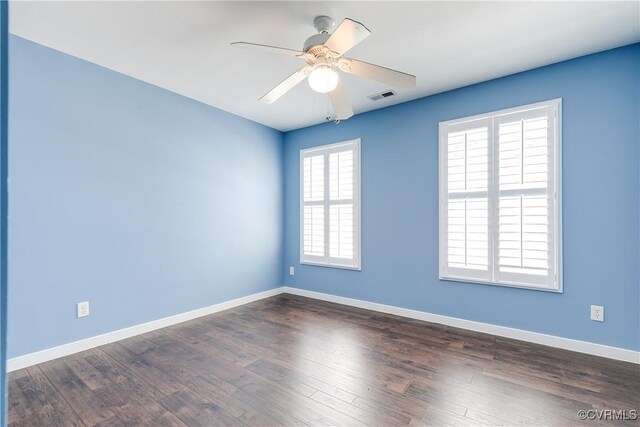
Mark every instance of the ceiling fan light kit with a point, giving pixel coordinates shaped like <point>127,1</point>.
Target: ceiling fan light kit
<point>323,79</point>
<point>323,53</point>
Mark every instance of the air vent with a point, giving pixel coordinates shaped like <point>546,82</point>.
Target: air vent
<point>382,95</point>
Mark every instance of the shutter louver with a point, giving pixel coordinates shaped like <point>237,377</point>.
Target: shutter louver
<point>314,178</point>
<point>341,175</point>
<point>467,213</point>
<point>314,230</point>
<point>524,243</point>
<point>314,214</point>
<point>341,230</point>
<point>523,222</point>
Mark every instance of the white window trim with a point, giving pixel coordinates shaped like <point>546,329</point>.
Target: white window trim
<point>556,259</point>
<point>328,261</point>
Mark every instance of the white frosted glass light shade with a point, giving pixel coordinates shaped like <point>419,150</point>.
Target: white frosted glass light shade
<point>323,79</point>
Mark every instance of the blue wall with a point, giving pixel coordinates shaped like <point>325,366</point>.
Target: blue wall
<point>4,67</point>
<point>601,139</point>
<point>142,202</point>
<point>149,204</point>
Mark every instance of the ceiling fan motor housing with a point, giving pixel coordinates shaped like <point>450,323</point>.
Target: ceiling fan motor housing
<point>315,40</point>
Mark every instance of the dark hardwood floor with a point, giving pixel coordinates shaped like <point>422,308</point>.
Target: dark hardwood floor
<point>289,361</point>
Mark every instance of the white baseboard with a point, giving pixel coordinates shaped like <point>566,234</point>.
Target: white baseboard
<point>31,359</point>
<point>502,331</point>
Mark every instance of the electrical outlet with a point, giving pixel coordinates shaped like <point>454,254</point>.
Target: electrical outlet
<point>82,309</point>
<point>597,313</point>
<point>291,271</point>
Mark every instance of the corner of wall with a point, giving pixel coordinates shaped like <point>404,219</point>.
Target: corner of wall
<point>4,47</point>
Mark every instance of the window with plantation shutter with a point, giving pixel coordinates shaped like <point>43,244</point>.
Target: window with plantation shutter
<point>499,198</point>
<point>330,205</point>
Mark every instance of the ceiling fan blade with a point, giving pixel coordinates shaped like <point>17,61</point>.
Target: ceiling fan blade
<point>340,102</point>
<point>267,48</point>
<point>288,84</point>
<point>348,34</point>
<point>380,74</point>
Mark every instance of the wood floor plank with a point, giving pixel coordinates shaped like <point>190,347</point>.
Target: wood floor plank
<point>277,372</point>
<point>141,399</point>
<point>238,408</point>
<point>441,417</point>
<point>195,410</point>
<point>41,382</point>
<point>377,417</point>
<point>156,377</point>
<point>301,407</point>
<point>39,404</point>
<point>275,410</point>
<point>289,360</point>
<point>19,407</point>
<point>75,392</point>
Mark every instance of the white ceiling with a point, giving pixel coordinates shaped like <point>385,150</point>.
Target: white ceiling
<point>184,46</point>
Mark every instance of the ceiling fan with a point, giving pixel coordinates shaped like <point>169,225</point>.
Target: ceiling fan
<point>323,54</point>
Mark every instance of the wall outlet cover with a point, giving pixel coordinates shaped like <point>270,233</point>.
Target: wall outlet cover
<point>597,313</point>
<point>291,271</point>
<point>82,309</point>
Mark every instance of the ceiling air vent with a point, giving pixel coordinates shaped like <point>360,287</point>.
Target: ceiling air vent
<point>382,95</point>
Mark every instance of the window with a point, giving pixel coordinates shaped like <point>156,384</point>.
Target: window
<point>330,205</point>
<point>500,220</point>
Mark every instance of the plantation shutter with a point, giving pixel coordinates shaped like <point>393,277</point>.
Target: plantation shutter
<point>526,197</point>
<point>341,215</point>
<point>466,199</point>
<point>499,209</point>
<point>314,209</point>
<point>330,229</point>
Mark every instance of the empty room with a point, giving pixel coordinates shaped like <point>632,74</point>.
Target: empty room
<point>271,213</point>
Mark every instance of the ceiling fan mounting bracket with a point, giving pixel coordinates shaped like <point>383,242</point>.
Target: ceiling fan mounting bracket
<point>324,24</point>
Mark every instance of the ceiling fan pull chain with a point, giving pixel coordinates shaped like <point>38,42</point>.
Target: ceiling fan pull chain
<point>328,117</point>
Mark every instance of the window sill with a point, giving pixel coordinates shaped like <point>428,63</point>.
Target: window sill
<point>339,266</point>
<point>542,288</point>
